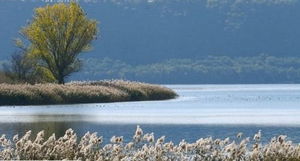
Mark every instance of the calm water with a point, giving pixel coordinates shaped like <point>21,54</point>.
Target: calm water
<point>199,111</point>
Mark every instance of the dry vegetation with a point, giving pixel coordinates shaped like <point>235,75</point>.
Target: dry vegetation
<point>81,92</point>
<point>144,147</point>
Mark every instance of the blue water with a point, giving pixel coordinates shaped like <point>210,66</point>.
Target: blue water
<point>200,111</point>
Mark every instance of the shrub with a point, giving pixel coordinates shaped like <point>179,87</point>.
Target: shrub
<point>4,78</point>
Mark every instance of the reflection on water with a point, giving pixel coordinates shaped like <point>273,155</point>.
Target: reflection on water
<point>200,111</point>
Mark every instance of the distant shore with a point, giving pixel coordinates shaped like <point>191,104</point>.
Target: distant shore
<point>82,92</point>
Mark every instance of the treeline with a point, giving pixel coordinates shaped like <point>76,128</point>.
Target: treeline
<point>208,70</point>
<point>212,69</point>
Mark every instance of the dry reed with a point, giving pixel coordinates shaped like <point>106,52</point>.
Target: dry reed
<point>144,147</point>
<point>81,92</point>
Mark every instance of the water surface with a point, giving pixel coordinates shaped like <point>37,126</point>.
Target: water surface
<point>199,111</point>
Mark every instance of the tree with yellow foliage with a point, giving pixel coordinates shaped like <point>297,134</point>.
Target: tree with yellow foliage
<point>58,34</point>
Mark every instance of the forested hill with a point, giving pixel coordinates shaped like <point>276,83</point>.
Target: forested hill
<point>207,70</point>
<point>148,31</point>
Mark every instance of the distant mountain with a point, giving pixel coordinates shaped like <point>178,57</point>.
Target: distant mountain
<point>147,31</point>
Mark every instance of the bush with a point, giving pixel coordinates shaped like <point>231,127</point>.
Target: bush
<point>4,78</point>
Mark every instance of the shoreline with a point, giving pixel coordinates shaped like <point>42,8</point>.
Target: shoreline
<point>82,93</point>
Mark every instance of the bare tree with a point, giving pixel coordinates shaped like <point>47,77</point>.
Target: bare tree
<point>20,68</point>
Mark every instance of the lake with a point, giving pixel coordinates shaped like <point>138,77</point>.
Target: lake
<point>200,111</point>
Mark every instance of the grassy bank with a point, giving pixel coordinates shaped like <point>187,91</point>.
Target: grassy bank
<point>81,92</point>
<point>145,147</point>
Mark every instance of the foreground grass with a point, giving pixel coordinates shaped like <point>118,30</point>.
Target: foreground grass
<point>81,92</point>
<point>144,147</point>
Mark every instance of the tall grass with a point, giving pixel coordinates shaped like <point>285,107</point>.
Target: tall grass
<point>81,92</point>
<point>145,147</point>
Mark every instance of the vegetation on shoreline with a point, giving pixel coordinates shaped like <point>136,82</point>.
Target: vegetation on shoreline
<point>212,69</point>
<point>81,92</point>
<point>4,78</point>
<point>145,147</point>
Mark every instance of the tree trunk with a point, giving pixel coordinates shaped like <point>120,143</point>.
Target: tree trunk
<point>61,79</point>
